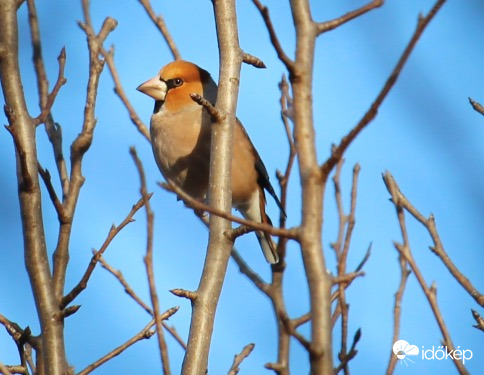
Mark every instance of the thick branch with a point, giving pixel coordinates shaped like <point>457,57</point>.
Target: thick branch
<point>219,191</point>
<point>312,185</point>
<point>22,129</point>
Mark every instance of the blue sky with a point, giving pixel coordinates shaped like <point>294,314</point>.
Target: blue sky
<point>426,134</point>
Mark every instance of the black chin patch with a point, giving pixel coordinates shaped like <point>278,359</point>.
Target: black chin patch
<point>158,104</point>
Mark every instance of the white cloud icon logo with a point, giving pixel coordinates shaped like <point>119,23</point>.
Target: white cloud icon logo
<point>402,349</point>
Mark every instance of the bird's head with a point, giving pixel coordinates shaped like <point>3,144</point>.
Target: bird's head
<point>175,82</point>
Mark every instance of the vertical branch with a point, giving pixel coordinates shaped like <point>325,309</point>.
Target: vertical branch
<point>22,129</point>
<point>149,265</point>
<point>219,191</point>
<point>397,311</point>
<point>54,131</point>
<point>312,191</point>
<point>81,144</point>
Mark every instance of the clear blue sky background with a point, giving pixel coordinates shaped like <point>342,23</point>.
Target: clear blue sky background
<point>426,134</point>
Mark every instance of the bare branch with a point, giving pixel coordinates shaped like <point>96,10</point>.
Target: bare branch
<point>44,173</point>
<point>479,320</point>
<point>82,142</point>
<point>438,248</point>
<point>247,271</point>
<point>52,129</point>
<point>127,288</point>
<point>477,106</point>
<point>405,252</point>
<point>61,80</point>
<point>160,24</point>
<point>264,11</point>
<point>322,27</point>
<point>397,311</point>
<point>22,129</point>
<point>253,60</point>
<point>234,370</point>
<point>145,333</point>
<point>197,205</point>
<point>338,152</point>
<point>212,111</point>
<point>149,263</point>
<point>118,89</point>
<point>82,284</point>
<point>219,191</point>
<point>4,370</point>
<point>192,296</point>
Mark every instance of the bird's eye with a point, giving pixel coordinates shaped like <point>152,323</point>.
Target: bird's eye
<point>177,82</point>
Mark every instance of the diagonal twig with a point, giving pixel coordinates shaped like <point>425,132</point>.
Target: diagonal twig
<point>322,27</point>
<point>145,333</point>
<point>337,152</point>
<point>82,284</point>
<point>161,25</point>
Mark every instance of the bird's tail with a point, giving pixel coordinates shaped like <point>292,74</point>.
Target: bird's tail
<point>255,210</point>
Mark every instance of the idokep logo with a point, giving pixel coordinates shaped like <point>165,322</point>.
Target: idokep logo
<point>402,349</point>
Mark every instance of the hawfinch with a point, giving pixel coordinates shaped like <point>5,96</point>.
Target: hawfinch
<point>180,137</point>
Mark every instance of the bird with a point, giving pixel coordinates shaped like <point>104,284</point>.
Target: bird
<point>180,132</point>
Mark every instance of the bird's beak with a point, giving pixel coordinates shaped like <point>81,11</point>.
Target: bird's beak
<point>154,87</point>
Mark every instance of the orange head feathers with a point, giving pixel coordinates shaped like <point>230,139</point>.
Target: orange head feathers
<point>176,81</point>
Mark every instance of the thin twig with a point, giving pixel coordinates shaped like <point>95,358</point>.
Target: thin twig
<point>322,27</point>
<point>160,24</point>
<point>405,252</point>
<point>264,11</point>
<point>118,89</point>
<point>82,284</point>
<point>61,80</point>
<point>251,274</point>
<point>195,204</point>
<point>52,129</point>
<point>149,263</point>
<point>479,320</point>
<point>82,143</point>
<point>145,333</point>
<point>44,173</point>
<point>438,247</point>
<point>397,311</point>
<point>212,111</point>
<point>234,369</point>
<point>477,106</point>
<point>338,151</point>
<point>129,290</point>
<point>253,60</point>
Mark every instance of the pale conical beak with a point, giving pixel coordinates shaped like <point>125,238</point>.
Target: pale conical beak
<point>154,87</point>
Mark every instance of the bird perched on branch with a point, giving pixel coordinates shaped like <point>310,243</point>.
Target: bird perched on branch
<point>180,137</point>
